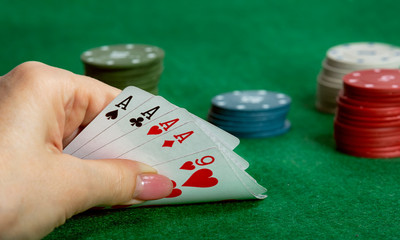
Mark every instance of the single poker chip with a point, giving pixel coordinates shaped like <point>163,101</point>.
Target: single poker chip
<point>330,82</point>
<point>122,73</point>
<point>348,129</point>
<point>328,73</point>
<point>325,108</point>
<point>327,94</point>
<point>122,56</point>
<point>373,149</point>
<point>366,124</point>
<point>363,55</point>
<point>248,118</point>
<point>369,102</point>
<point>251,101</point>
<point>132,72</point>
<point>364,136</point>
<point>226,114</point>
<point>367,141</point>
<point>369,111</point>
<point>373,81</point>
<point>264,134</point>
<point>387,95</point>
<point>370,153</point>
<point>388,99</point>
<point>334,72</point>
<point>250,114</point>
<point>249,121</point>
<point>339,112</point>
<point>246,127</point>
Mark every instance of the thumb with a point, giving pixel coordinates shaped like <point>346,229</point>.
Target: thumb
<point>119,182</point>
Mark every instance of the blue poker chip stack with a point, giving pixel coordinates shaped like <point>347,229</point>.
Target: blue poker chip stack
<point>251,113</point>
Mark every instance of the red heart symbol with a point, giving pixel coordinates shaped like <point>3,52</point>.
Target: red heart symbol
<point>201,178</point>
<point>154,130</point>
<point>176,192</point>
<point>188,166</point>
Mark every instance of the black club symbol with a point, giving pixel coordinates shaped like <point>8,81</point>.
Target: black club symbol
<point>137,122</point>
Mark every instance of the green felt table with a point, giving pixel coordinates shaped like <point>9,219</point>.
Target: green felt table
<point>215,46</point>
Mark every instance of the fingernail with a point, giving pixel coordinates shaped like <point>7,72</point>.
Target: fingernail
<point>151,186</point>
<point>144,168</point>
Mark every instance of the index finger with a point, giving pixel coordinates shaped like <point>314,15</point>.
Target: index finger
<point>53,102</point>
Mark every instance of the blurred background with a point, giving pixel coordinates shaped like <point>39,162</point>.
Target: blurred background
<point>211,45</point>
<point>215,46</point>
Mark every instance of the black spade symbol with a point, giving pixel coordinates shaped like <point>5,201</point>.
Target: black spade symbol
<point>112,115</point>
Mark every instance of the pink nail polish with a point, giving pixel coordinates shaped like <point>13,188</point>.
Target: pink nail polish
<point>151,186</point>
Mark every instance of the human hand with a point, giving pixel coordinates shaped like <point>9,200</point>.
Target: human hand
<point>42,109</point>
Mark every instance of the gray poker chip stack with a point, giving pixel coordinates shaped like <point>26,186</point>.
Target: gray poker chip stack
<point>126,65</point>
<point>346,58</point>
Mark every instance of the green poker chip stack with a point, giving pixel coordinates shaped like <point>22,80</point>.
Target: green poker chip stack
<point>126,65</point>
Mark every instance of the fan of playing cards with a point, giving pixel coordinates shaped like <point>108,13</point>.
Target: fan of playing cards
<point>196,155</point>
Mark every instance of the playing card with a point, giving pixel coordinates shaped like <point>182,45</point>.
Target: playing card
<point>178,142</point>
<point>206,176</point>
<point>195,154</point>
<point>127,100</point>
<point>136,137</point>
<point>139,136</point>
<point>226,138</point>
<point>135,119</point>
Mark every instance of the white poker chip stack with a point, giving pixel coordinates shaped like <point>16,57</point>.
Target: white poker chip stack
<point>346,58</point>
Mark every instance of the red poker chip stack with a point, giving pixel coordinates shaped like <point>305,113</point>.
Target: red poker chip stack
<point>367,121</point>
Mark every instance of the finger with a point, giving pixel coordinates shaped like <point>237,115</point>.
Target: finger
<point>89,98</point>
<point>60,99</point>
<point>86,98</point>
<point>67,186</point>
<point>115,182</point>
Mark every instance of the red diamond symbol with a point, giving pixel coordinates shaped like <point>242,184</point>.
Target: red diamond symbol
<point>168,143</point>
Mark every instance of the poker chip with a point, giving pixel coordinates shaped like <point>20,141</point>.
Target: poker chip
<point>368,111</point>
<point>368,124</point>
<point>367,102</point>
<point>367,120</point>
<point>253,100</point>
<point>125,65</point>
<point>357,56</point>
<point>378,152</point>
<point>346,58</point>
<point>264,134</point>
<point>251,113</point>
<point>254,117</point>
<point>377,82</point>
